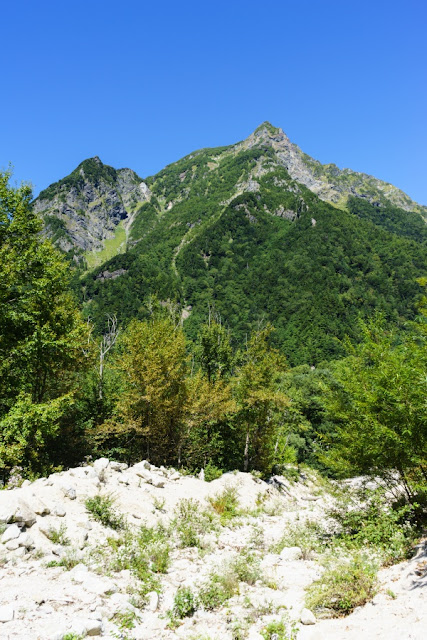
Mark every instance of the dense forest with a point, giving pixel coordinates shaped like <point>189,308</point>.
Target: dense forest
<point>220,395</point>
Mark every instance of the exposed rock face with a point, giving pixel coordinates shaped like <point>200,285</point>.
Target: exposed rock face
<point>84,209</point>
<point>327,181</point>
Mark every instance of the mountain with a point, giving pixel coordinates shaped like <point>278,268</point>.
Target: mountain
<point>259,230</point>
<point>89,213</point>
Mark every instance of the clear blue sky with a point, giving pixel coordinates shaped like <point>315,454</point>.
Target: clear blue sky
<point>141,83</point>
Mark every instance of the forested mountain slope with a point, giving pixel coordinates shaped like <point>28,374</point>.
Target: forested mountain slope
<point>259,230</point>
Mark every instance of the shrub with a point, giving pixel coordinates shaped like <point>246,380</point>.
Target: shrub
<point>225,504</point>
<point>58,536</point>
<point>145,554</point>
<point>184,604</point>
<point>68,561</point>
<point>376,524</point>
<point>343,587</point>
<point>222,586</point>
<point>190,522</point>
<point>309,536</point>
<point>212,472</point>
<point>101,508</point>
<point>280,630</point>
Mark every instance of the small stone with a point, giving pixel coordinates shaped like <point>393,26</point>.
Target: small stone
<point>157,482</point>
<point>58,510</point>
<point>11,533</point>
<point>39,507</point>
<point>174,476</point>
<point>25,540</point>
<point>24,515</point>
<point>7,613</point>
<point>68,490</point>
<point>291,553</point>
<point>118,466</point>
<point>307,617</point>
<point>12,545</point>
<point>93,627</point>
<point>153,601</point>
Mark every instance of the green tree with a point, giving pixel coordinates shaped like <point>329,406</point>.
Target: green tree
<point>43,339</point>
<point>380,409</point>
<point>209,409</point>
<point>260,401</point>
<point>150,409</point>
<point>214,350</point>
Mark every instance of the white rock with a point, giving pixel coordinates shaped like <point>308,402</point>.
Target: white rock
<point>120,602</point>
<point>291,553</point>
<point>142,472</point>
<point>39,507</point>
<point>118,466</point>
<point>78,574</point>
<point>81,540</point>
<point>96,585</point>
<point>93,627</point>
<point>174,476</point>
<point>157,482</point>
<point>68,490</point>
<point>153,601</point>
<point>144,464</point>
<point>12,545</point>
<point>25,540</point>
<point>78,627</point>
<point>101,463</point>
<point>11,533</point>
<point>26,483</point>
<point>100,466</point>
<point>58,510</point>
<point>24,515</point>
<point>6,513</point>
<point>7,613</point>
<point>307,617</point>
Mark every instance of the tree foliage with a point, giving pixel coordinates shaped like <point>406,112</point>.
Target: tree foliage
<point>43,339</point>
<point>379,408</point>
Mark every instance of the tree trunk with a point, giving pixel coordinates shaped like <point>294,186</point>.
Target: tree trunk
<point>246,458</point>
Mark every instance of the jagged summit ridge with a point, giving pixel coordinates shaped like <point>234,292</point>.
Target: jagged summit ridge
<point>328,182</point>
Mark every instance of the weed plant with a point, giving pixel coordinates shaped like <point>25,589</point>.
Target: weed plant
<point>191,521</point>
<point>102,510</point>
<point>58,536</point>
<point>310,537</point>
<point>225,504</point>
<point>345,585</point>
<point>280,630</point>
<point>375,524</point>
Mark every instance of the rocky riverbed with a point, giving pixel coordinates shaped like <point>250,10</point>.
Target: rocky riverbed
<point>65,575</point>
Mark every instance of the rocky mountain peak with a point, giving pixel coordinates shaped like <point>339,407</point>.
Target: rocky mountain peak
<point>328,182</point>
<point>84,209</point>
